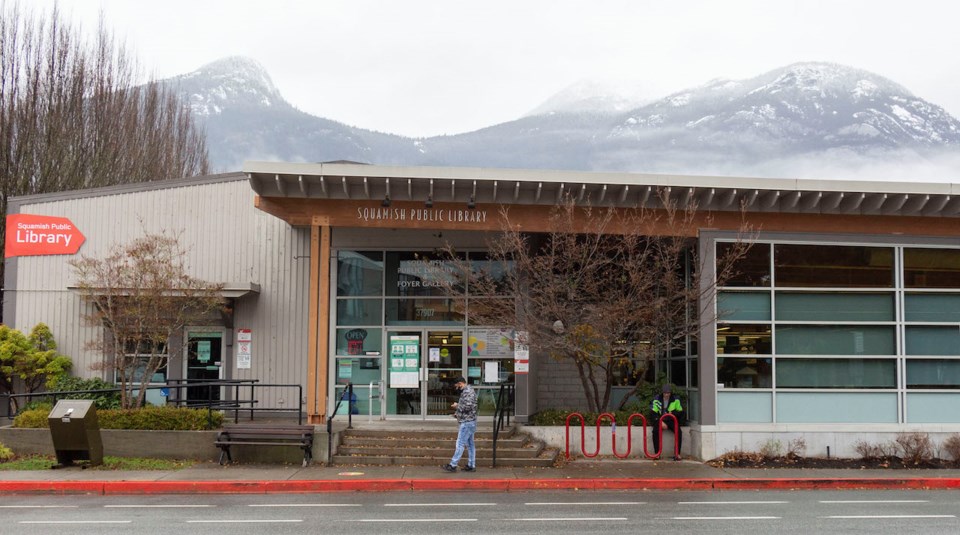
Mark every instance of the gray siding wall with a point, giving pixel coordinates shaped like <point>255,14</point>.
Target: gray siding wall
<point>558,384</point>
<point>227,240</point>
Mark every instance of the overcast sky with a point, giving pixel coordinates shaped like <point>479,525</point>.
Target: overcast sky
<point>421,68</point>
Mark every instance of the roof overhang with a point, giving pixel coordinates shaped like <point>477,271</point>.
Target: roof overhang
<point>476,185</point>
<point>228,290</point>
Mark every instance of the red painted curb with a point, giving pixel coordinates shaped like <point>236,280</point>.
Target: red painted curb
<point>502,485</point>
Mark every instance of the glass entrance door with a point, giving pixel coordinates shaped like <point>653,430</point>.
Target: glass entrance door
<point>422,368</point>
<point>444,364</point>
<point>204,363</point>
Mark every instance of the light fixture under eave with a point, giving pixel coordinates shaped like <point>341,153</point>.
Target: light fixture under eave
<point>386,201</point>
<point>472,203</point>
<point>429,203</point>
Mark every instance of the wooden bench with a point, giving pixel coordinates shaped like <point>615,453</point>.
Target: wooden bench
<point>265,435</point>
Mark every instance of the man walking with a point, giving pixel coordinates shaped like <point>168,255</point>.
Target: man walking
<point>466,414</point>
<point>665,403</point>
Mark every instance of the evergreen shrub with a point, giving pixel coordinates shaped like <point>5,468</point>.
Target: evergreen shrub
<point>146,418</point>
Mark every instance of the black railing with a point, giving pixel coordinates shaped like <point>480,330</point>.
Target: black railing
<point>504,408</point>
<point>348,394</point>
<point>181,399</point>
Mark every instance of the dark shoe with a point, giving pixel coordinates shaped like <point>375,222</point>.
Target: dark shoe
<point>677,458</point>
<point>449,468</point>
<point>470,469</point>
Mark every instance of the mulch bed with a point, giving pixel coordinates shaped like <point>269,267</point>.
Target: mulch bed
<point>755,460</point>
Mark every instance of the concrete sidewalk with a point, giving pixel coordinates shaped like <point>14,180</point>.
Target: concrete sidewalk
<point>581,475</point>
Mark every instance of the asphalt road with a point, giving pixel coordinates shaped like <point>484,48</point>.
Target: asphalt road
<point>900,512</point>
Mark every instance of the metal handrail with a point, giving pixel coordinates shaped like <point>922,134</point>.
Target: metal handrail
<point>503,411</point>
<point>210,404</point>
<point>347,393</point>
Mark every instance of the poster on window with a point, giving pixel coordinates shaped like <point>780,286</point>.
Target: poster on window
<point>404,361</point>
<point>491,342</point>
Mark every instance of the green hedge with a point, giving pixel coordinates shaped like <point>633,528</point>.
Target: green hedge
<point>104,400</point>
<point>147,418</point>
<point>559,417</point>
<point>5,453</point>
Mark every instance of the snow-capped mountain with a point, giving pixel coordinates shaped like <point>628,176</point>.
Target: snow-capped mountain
<point>246,118</point>
<point>809,119</point>
<point>597,98</point>
<point>809,105</point>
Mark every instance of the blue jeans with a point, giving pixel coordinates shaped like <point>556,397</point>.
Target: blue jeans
<point>465,440</point>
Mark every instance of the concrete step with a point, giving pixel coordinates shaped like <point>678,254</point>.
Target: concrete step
<point>518,453</point>
<point>425,447</point>
<point>348,460</point>
<point>481,434</point>
<point>417,442</point>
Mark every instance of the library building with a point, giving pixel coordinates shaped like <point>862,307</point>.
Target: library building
<point>841,323</point>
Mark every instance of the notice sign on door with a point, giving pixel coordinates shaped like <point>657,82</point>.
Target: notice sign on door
<point>404,361</point>
<point>203,350</point>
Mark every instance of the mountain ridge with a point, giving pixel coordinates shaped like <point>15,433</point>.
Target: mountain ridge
<point>765,124</point>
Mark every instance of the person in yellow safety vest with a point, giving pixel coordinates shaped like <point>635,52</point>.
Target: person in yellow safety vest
<point>665,403</point>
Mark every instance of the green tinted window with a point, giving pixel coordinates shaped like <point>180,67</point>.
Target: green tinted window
<point>835,340</point>
<point>932,307</point>
<point>834,306</point>
<point>743,306</point>
<point>836,373</point>
<point>933,373</point>
<point>923,340</point>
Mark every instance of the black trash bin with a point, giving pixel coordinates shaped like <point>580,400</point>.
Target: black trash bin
<point>76,432</point>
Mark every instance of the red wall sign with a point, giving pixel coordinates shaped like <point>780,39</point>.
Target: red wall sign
<point>33,235</point>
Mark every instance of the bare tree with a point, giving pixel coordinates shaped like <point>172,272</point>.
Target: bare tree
<point>609,290</point>
<point>73,113</point>
<point>142,295</point>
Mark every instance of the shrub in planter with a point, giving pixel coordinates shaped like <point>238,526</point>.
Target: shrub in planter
<point>104,400</point>
<point>146,418</point>
<point>559,417</point>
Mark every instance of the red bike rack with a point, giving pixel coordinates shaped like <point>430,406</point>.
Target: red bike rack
<point>613,427</point>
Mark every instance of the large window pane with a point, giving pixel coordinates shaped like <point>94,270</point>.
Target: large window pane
<point>678,372</point>
<point>836,373</point>
<point>359,273</point>
<point>745,372</point>
<point>412,274</point>
<point>358,370</point>
<point>424,311</point>
<point>834,307</point>
<point>931,268</point>
<point>933,373</point>
<point>932,307</point>
<point>489,310</point>
<point>733,339</point>
<point>743,306</point>
<point>922,340</point>
<point>835,340</point>
<point>359,341</point>
<point>753,270</point>
<point>833,266</point>
<point>359,312</point>
<point>490,277</point>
